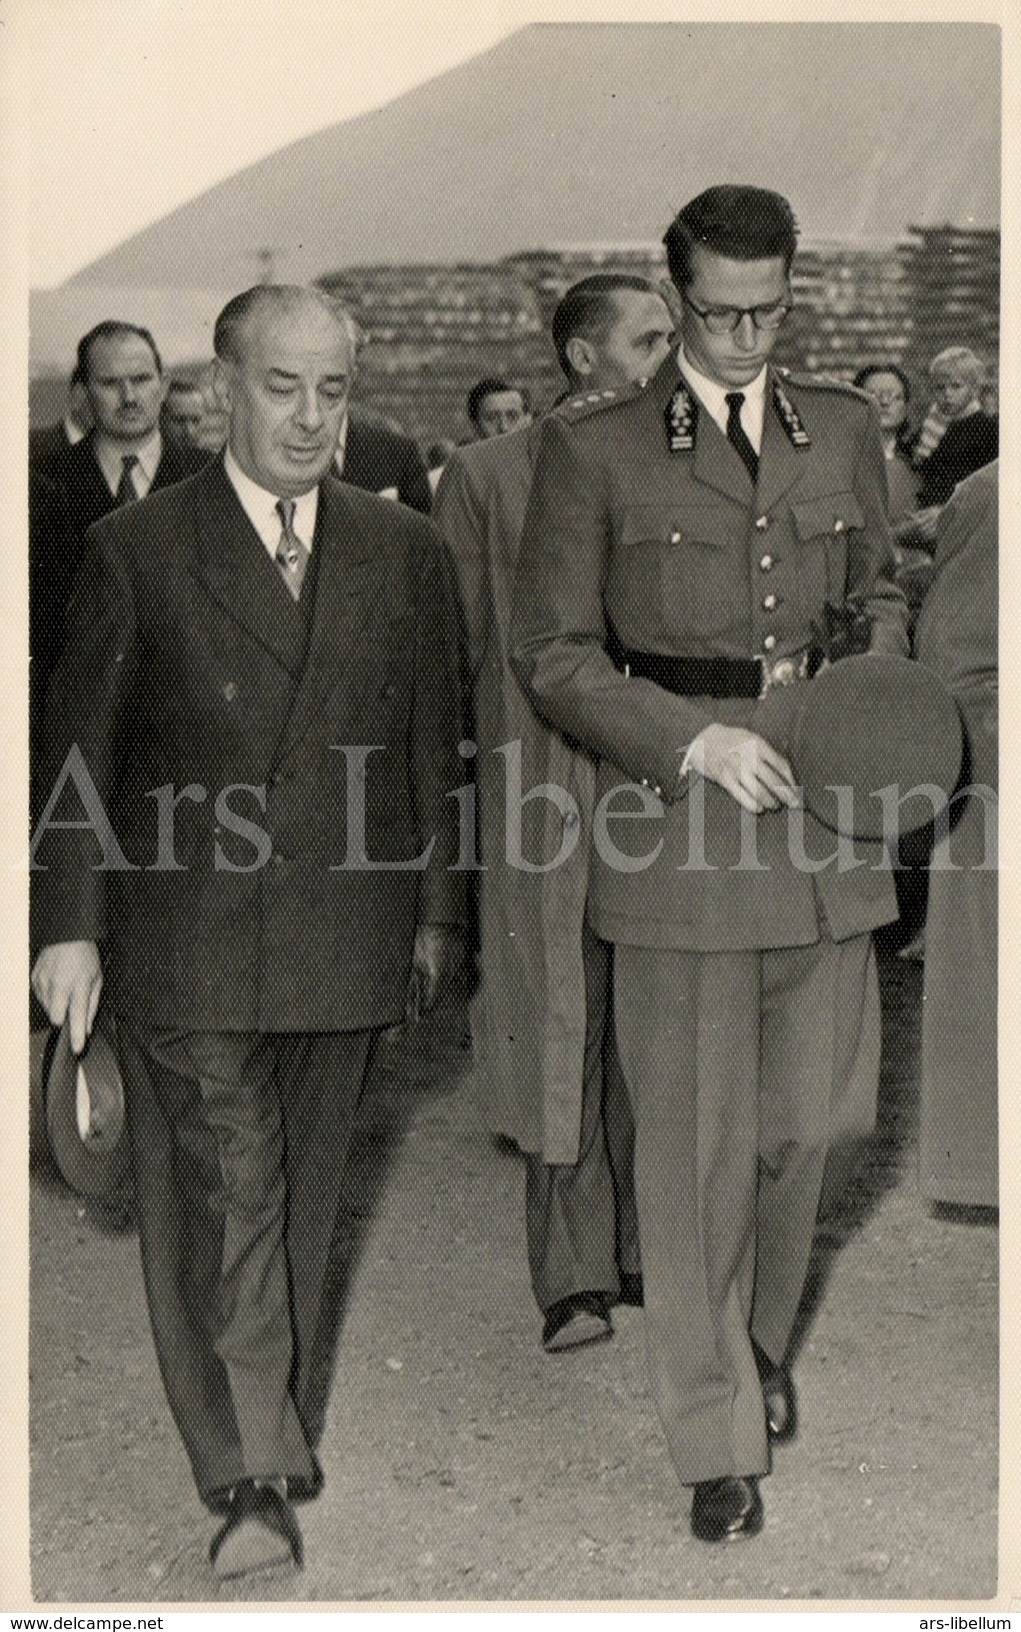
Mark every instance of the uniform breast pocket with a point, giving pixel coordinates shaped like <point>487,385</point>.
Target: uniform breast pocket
<point>825,528</point>
<point>669,574</point>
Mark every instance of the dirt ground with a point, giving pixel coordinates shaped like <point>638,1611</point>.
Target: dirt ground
<point>463,1464</point>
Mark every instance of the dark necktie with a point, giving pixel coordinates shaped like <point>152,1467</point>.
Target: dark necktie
<point>126,493</point>
<point>292,556</point>
<point>737,436</point>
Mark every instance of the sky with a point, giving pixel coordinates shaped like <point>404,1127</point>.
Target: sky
<point>90,88</point>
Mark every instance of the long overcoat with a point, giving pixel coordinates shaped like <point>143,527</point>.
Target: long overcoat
<point>529,1011</point>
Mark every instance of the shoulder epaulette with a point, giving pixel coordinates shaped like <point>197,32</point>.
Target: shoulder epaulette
<point>583,403</point>
<point>822,382</point>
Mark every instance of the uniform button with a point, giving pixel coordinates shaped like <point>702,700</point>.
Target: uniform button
<point>762,522</point>
<point>645,781</point>
<point>675,537</point>
<point>769,642</point>
<point>769,602</point>
<point>230,690</point>
<point>838,525</point>
<point>766,562</point>
<point>657,789</point>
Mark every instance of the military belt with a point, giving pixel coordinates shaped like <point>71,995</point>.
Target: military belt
<point>713,676</point>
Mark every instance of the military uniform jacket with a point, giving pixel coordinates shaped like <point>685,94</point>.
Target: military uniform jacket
<point>643,521</point>
<point>189,669</point>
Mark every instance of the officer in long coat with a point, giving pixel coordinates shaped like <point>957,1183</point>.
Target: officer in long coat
<point>683,550</point>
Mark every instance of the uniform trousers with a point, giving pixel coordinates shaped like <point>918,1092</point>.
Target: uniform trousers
<point>238,1145</point>
<point>581,1220</point>
<point>739,1064</point>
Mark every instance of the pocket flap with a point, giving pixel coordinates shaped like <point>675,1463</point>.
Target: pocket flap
<point>833,513</point>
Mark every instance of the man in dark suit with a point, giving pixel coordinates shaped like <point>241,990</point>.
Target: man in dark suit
<point>260,891</point>
<point>124,456</point>
<point>48,444</point>
<point>681,547</point>
<point>377,456</point>
<point>381,460</point>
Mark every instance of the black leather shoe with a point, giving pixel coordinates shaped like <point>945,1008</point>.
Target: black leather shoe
<point>778,1398</point>
<point>260,1532</point>
<point>584,1317</point>
<point>726,1509</point>
<point>632,1289</point>
<point>302,1488</point>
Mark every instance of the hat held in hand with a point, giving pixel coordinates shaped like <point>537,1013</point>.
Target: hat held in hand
<point>875,722</point>
<point>85,1118</point>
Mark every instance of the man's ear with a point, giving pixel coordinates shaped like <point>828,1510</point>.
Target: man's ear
<point>668,289</point>
<point>580,354</point>
<point>218,382</point>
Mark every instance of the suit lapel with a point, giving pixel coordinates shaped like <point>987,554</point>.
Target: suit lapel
<point>236,569</point>
<point>347,578</point>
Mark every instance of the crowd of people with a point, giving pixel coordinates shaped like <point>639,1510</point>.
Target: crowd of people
<point>319,726</point>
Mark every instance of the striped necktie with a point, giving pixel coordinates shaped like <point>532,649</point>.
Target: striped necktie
<point>292,554</point>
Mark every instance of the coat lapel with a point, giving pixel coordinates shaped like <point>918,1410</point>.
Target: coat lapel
<point>781,462</point>
<point>712,460</point>
<point>235,567</point>
<point>346,582</point>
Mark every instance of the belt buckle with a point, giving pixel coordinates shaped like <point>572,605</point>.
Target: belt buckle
<point>783,671</point>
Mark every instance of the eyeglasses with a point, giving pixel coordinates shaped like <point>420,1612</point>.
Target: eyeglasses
<point>725,319</point>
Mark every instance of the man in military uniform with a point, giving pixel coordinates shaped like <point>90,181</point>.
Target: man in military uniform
<point>682,549</point>
<point>548,1066</point>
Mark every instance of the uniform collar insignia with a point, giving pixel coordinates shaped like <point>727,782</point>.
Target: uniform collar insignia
<point>790,417</point>
<point>682,420</point>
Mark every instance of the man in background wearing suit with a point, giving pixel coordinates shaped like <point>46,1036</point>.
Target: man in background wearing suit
<point>48,444</point>
<point>258,704</point>
<point>681,548</point>
<point>376,456</point>
<point>124,456</point>
<point>542,1018</point>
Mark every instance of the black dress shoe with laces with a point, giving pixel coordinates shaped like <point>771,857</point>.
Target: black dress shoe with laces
<point>259,1533</point>
<point>584,1317</point>
<point>726,1509</point>
<point>778,1398</point>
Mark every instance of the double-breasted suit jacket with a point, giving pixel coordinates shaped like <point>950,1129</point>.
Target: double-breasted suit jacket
<point>642,526</point>
<point>280,760</point>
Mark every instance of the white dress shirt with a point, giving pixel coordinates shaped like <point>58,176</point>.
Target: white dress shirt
<point>110,459</point>
<point>713,397</point>
<point>260,507</point>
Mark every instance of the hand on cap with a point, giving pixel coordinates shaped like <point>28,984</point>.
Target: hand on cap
<point>67,978</point>
<point>744,765</point>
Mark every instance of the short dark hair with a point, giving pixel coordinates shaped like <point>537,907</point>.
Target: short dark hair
<point>742,223</point>
<point>488,388</point>
<point>232,321</point>
<point>111,328</point>
<point>587,309</point>
<point>177,387</point>
<point>867,372</point>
